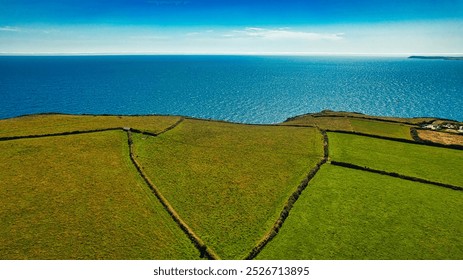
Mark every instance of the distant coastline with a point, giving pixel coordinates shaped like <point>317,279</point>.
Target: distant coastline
<point>437,57</point>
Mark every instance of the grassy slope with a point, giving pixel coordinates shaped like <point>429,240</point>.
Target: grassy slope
<point>229,182</point>
<point>337,123</point>
<point>346,123</point>
<point>431,163</point>
<point>79,197</point>
<point>393,130</point>
<point>350,214</point>
<point>350,115</point>
<point>49,124</point>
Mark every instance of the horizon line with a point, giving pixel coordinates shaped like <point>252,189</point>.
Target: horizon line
<point>405,54</point>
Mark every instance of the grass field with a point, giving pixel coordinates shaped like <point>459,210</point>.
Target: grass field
<point>349,123</point>
<point>229,182</point>
<point>431,163</point>
<point>350,214</point>
<point>336,123</point>
<point>386,129</point>
<point>56,123</point>
<point>79,197</point>
<point>350,115</point>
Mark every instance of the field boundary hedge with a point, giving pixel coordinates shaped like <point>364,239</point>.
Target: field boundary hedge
<point>174,125</point>
<point>396,175</point>
<point>197,241</point>
<point>372,119</point>
<point>423,143</point>
<point>9,138</point>
<point>74,132</point>
<point>326,144</point>
<point>90,115</point>
<point>290,202</point>
<point>154,134</point>
<point>415,136</point>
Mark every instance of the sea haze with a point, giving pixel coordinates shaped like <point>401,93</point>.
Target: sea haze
<point>248,89</point>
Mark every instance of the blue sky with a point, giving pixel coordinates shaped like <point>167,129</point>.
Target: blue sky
<point>231,27</point>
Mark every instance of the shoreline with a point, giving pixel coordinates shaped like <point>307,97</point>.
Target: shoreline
<point>323,113</point>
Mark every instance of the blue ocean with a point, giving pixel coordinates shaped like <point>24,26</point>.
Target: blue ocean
<point>246,89</point>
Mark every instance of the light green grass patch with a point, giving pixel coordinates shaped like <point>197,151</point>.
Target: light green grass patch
<point>79,197</point>
<point>351,214</point>
<point>426,162</point>
<point>346,123</point>
<point>52,124</point>
<point>229,182</point>
<point>334,123</point>
<point>394,130</point>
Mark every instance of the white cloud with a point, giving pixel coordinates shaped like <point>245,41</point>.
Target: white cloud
<point>10,28</point>
<point>276,34</point>
<point>284,34</point>
<point>387,38</point>
<point>202,33</point>
<point>27,30</point>
<point>148,37</point>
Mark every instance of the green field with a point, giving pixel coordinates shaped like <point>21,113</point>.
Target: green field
<point>79,197</point>
<point>431,163</point>
<point>353,123</point>
<point>229,182</point>
<point>386,129</point>
<point>56,123</point>
<point>333,115</point>
<point>336,123</point>
<point>350,214</point>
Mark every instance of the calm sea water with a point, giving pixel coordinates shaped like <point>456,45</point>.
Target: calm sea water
<point>250,89</point>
